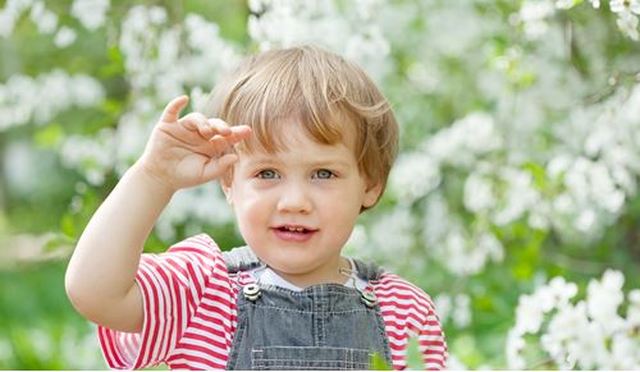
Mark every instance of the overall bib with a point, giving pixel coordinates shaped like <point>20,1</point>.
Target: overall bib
<point>324,326</point>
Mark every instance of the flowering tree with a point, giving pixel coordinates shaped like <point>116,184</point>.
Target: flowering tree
<point>514,200</point>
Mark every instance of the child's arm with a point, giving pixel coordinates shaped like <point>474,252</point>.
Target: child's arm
<point>100,278</point>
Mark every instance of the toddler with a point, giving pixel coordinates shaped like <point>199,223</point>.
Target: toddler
<point>301,142</point>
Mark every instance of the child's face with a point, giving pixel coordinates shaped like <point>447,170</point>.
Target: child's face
<point>296,208</point>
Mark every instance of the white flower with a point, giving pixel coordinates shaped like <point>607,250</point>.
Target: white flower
<point>392,234</point>
<point>158,15</point>
<point>586,221</point>
<point>462,311</point>
<point>490,247</point>
<point>465,140</point>
<point>203,203</point>
<point>44,19</point>
<point>356,245</point>
<point>10,14</point>
<point>529,314</point>
<point>562,330</point>
<point>628,24</point>
<point>520,196</point>
<point>558,165</point>
<point>533,15</point>
<point>622,6</point>
<point>514,345</point>
<point>624,352</point>
<point>444,304</point>
<point>94,156</point>
<point>414,176</point>
<point>64,37</point>
<point>595,3</point>
<point>589,347</point>
<point>603,299</point>
<point>39,99</point>
<point>478,193</point>
<point>437,219</point>
<point>589,335</point>
<point>566,4</point>
<point>91,13</point>
<point>556,294</point>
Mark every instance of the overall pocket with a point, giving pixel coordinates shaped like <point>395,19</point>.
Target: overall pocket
<point>309,357</point>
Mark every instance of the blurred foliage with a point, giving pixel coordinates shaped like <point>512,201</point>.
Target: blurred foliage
<point>38,327</point>
<point>40,330</point>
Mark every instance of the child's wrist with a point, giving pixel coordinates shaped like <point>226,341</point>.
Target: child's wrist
<point>154,183</point>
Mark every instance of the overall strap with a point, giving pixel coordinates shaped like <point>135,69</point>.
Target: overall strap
<point>368,271</point>
<point>240,259</point>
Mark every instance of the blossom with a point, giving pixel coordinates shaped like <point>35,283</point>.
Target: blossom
<point>533,15</point>
<point>622,6</point>
<point>44,19</point>
<point>565,4</point>
<point>202,203</point>
<point>464,140</point>
<point>10,14</point>
<point>64,37</point>
<point>391,233</point>
<point>514,345</point>
<point>478,193</point>
<point>38,99</point>
<point>414,176</point>
<point>628,23</point>
<point>589,334</point>
<point>91,13</point>
<point>285,23</point>
<point>604,298</point>
<point>457,308</point>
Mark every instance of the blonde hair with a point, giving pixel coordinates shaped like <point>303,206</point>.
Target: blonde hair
<point>318,90</point>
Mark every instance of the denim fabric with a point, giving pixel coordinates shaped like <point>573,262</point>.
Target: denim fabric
<point>325,326</point>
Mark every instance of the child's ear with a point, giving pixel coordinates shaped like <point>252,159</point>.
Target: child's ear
<point>371,195</point>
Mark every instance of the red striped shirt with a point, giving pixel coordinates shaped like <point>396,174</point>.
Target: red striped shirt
<point>190,314</point>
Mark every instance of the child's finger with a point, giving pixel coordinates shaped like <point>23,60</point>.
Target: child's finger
<point>223,144</point>
<point>220,126</point>
<point>215,168</point>
<point>238,133</point>
<point>197,122</point>
<point>172,110</point>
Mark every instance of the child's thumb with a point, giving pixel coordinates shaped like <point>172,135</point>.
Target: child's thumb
<point>172,110</point>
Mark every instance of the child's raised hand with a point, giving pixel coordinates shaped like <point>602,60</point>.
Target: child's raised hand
<point>188,151</point>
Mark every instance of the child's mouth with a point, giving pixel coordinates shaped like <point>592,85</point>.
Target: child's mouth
<point>294,233</point>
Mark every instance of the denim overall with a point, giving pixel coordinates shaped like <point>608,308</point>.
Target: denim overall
<point>324,326</point>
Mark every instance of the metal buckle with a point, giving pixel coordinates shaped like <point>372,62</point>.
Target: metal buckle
<point>368,297</point>
<point>251,292</point>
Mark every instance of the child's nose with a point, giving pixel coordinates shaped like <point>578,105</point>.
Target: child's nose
<point>295,198</point>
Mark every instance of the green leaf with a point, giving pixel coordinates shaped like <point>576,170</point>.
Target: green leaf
<point>49,136</point>
<point>378,363</point>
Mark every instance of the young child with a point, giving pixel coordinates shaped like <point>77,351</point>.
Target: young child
<point>314,150</point>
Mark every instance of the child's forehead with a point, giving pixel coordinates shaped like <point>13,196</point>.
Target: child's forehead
<point>309,153</point>
<point>293,134</point>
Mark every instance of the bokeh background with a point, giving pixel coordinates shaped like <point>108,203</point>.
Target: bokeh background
<point>514,201</point>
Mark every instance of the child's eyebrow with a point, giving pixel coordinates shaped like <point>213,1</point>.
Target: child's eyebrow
<point>274,160</point>
<point>329,162</point>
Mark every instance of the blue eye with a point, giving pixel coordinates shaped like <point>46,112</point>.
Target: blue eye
<point>324,174</point>
<point>267,174</point>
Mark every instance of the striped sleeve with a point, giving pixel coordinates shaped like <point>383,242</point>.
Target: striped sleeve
<point>172,285</point>
<point>408,313</point>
